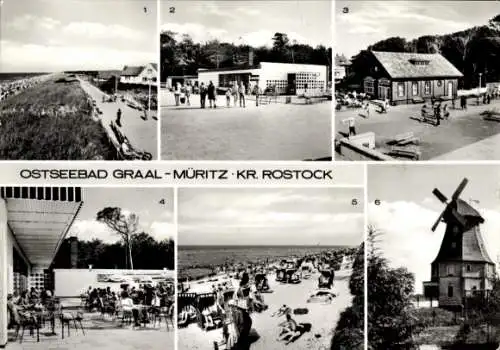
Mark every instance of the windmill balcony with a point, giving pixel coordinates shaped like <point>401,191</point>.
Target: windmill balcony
<point>471,274</point>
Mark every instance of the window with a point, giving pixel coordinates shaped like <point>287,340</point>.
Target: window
<point>401,89</point>
<point>154,79</point>
<point>439,83</point>
<point>427,88</point>
<point>451,270</point>
<point>150,71</point>
<point>414,88</point>
<point>369,86</point>
<point>450,291</point>
<point>144,79</point>
<point>468,268</point>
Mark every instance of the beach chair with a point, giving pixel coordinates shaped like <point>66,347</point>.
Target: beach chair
<point>208,316</point>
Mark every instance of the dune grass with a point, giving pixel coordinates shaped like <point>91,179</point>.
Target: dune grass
<point>52,121</point>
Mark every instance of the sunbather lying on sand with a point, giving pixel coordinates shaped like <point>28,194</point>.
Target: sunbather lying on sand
<point>289,330</point>
<point>282,311</point>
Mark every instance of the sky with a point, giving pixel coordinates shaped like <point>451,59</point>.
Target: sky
<point>250,22</point>
<point>408,209</point>
<point>367,22</point>
<point>271,216</point>
<point>156,217</point>
<point>57,35</point>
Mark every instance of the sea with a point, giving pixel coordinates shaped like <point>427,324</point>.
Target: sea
<point>210,256</point>
<point>7,77</point>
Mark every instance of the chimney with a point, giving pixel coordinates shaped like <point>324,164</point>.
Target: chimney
<point>250,56</point>
<point>73,248</point>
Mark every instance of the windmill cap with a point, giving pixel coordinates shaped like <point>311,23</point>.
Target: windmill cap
<point>465,209</point>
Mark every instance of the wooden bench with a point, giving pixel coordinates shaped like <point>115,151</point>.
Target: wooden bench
<point>405,139</point>
<point>405,152</point>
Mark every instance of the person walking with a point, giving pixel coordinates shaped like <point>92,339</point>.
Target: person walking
<point>177,93</point>
<point>241,93</point>
<point>211,95</point>
<point>437,114</point>
<point>203,95</point>
<point>119,117</point>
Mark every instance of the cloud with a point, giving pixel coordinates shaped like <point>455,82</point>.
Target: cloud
<point>197,32</point>
<point>30,22</point>
<point>407,239</point>
<point>56,57</point>
<point>95,30</point>
<point>390,17</point>
<point>161,230</point>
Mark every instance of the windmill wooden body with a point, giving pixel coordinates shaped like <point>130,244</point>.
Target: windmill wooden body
<point>462,267</point>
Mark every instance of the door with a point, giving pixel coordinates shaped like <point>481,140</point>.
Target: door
<point>450,89</point>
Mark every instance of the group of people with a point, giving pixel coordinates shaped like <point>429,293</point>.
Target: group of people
<point>234,94</point>
<point>137,302</point>
<point>13,87</point>
<point>28,305</point>
<point>438,111</point>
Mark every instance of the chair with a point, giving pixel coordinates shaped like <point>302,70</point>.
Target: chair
<point>28,320</point>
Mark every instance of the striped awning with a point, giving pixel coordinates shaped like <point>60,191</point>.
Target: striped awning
<point>40,218</point>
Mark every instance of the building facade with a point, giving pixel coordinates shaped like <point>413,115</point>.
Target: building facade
<point>33,223</point>
<point>404,77</point>
<point>288,78</point>
<point>140,75</point>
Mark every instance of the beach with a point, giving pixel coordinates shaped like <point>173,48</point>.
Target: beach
<point>322,316</point>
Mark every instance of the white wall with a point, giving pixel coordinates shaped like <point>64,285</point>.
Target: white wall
<point>73,282</point>
<point>280,71</point>
<point>10,261</point>
<point>3,272</point>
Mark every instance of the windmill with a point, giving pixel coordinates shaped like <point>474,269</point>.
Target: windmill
<point>462,266</point>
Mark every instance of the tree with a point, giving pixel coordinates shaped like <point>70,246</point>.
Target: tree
<point>391,324</point>
<point>123,224</point>
<point>393,44</point>
<point>349,332</point>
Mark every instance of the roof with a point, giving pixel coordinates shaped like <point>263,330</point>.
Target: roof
<point>106,74</point>
<point>154,65</point>
<point>132,70</point>
<point>405,65</point>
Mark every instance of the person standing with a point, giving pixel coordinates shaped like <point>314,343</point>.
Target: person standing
<point>241,93</point>
<point>188,92</point>
<point>228,97</point>
<point>211,95</point>
<point>352,127</point>
<point>257,93</point>
<point>119,117</point>
<point>437,114</point>
<point>235,93</point>
<point>203,95</point>
<point>177,93</point>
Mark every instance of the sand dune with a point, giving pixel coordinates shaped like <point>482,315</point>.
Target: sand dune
<point>323,317</point>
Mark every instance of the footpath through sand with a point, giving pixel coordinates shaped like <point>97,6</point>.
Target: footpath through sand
<point>323,317</point>
<point>142,134</point>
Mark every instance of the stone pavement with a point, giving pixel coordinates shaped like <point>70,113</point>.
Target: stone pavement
<point>269,132</point>
<point>99,336</point>
<point>465,130</point>
<point>142,134</point>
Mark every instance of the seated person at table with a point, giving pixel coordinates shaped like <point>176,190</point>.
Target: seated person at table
<point>128,306</point>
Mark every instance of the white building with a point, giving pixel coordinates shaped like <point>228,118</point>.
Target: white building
<point>289,78</point>
<point>33,223</point>
<point>141,75</point>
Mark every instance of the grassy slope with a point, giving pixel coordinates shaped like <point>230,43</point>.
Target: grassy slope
<point>67,132</point>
